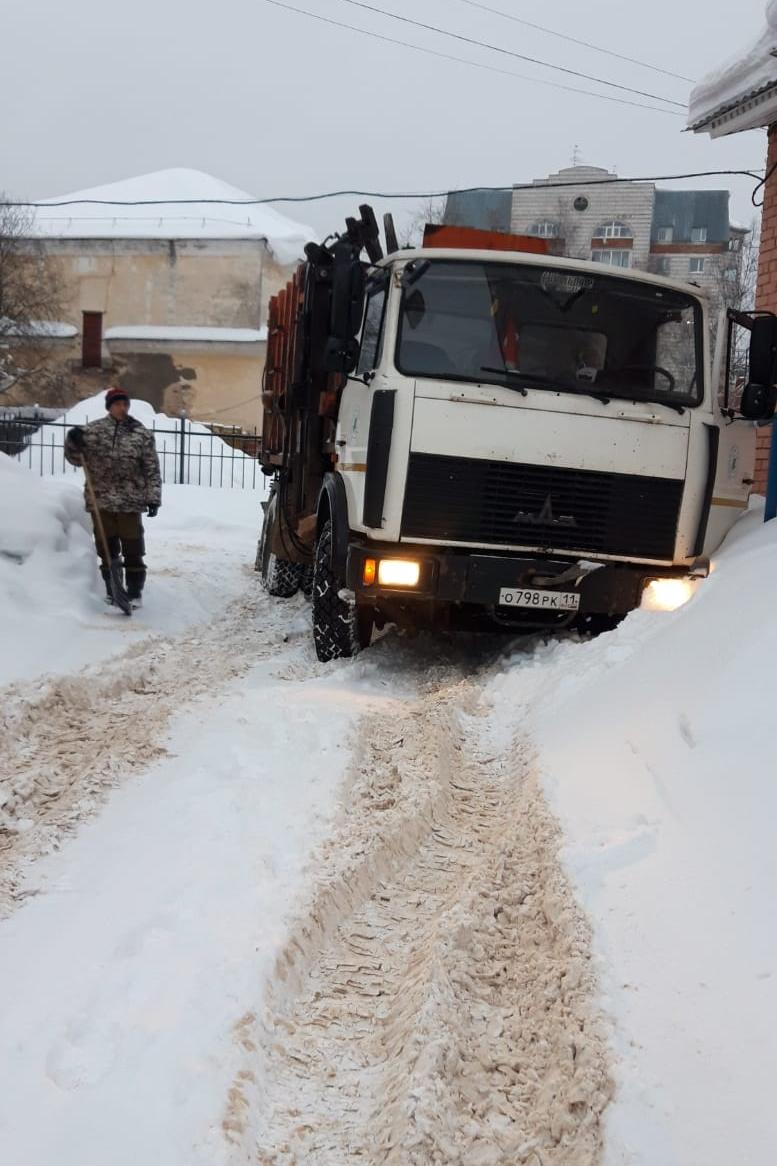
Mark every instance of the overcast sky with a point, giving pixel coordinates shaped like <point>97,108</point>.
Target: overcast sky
<point>277,103</point>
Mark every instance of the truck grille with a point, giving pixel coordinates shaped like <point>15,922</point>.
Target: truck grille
<point>471,500</point>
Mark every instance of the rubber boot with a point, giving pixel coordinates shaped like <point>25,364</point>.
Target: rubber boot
<point>135,582</point>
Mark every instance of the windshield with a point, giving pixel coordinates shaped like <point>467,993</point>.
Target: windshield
<point>532,327</point>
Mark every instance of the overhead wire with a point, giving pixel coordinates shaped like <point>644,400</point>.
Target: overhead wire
<point>510,52</point>
<point>756,174</point>
<point>576,40</point>
<point>464,60</point>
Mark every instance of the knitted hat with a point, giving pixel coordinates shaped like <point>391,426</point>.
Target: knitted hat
<point>114,395</point>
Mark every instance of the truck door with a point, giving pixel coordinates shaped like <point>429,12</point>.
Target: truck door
<point>353,425</point>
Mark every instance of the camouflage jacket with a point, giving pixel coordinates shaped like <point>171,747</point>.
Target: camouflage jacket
<point>123,464</point>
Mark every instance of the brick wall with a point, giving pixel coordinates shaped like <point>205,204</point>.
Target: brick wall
<point>766,293</point>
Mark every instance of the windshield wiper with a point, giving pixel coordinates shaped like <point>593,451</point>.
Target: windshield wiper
<point>675,405</point>
<point>538,379</point>
<point>507,372</point>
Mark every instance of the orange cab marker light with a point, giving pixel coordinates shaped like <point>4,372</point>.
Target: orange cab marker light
<point>369,571</point>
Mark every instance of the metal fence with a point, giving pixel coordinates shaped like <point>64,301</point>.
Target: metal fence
<point>189,453</point>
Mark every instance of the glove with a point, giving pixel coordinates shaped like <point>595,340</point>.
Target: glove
<point>153,509</point>
<point>76,437</point>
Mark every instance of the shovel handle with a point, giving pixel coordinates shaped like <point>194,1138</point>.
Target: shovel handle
<point>97,516</point>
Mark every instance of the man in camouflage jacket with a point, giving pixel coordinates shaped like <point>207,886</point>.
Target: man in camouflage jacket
<point>123,465</point>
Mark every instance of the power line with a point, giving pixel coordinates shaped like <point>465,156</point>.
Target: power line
<point>575,41</point>
<point>464,61</point>
<point>612,180</point>
<point>509,53</point>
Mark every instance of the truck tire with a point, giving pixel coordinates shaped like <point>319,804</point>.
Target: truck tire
<point>280,577</point>
<point>340,629</point>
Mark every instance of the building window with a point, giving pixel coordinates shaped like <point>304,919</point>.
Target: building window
<point>546,229</point>
<point>612,257</point>
<point>665,235</point>
<point>696,266</point>
<point>662,265</point>
<point>613,230</point>
<point>699,235</point>
<point>92,340</point>
<point>735,243</point>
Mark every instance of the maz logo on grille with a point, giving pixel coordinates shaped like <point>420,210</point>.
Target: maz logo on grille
<point>545,516</point>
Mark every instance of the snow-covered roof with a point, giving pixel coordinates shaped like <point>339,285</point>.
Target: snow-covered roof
<point>186,334</point>
<point>202,216</point>
<point>38,330</point>
<point>742,93</point>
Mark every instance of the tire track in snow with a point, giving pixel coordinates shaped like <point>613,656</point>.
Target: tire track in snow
<point>64,747</point>
<point>434,1003</point>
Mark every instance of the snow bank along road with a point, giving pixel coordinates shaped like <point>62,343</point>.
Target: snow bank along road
<point>429,1000</point>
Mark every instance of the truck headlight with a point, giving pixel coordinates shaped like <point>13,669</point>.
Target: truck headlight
<point>398,573</point>
<point>667,594</point>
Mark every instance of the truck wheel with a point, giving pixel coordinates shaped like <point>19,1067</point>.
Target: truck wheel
<point>280,577</point>
<point>340,629</point>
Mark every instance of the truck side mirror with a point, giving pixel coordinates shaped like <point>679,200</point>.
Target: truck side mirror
<point>758,402</point>
<point>763,350</point>
<point>347,297</point>
<point>759,395</point>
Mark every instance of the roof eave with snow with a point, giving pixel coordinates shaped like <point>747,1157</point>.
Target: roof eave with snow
<point>147,338</point>
<point>742,93</point>
<point>751,111</point>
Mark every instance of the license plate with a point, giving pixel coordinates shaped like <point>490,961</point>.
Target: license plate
<point>538,599</point>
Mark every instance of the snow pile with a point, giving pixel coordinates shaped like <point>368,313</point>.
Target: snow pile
<point>749,73</point>
<point>208,461</point>
<point>657,744</point>
<point>47,564</point>
<point>185,204</point>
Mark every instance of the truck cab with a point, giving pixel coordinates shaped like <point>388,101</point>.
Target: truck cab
<point>525,441</point>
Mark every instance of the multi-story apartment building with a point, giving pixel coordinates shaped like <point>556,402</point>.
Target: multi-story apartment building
<point>590,214</point>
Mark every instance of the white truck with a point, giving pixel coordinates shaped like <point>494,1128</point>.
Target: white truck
<point>497,437</point>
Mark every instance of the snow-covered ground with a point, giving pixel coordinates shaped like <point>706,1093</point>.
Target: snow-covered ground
<point>262,909</point>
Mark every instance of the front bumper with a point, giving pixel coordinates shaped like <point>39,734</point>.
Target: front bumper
<point>461,577</point>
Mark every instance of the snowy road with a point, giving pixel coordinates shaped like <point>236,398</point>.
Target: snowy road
<point>430,912</point>
<point>434,1003</point>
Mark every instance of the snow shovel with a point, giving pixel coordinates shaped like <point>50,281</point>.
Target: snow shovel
<point>118,594</point>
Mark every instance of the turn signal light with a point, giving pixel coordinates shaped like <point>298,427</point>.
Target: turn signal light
<point>369,571</point>
<point>398,573</point>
